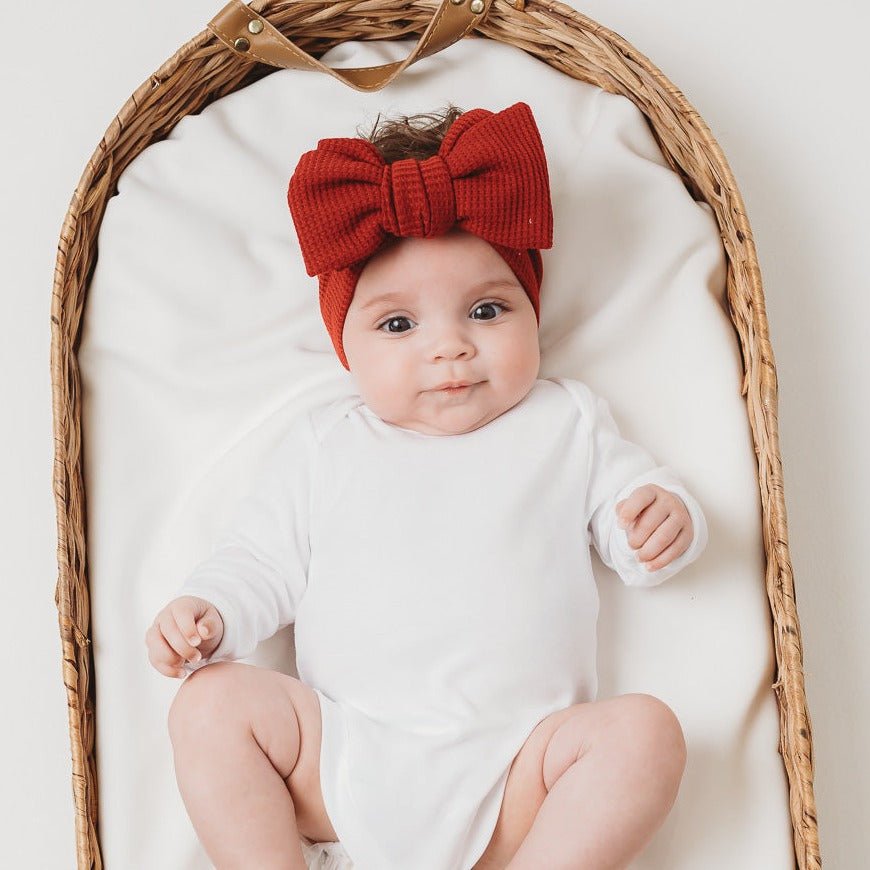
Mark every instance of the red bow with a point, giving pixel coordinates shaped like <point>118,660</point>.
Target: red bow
<point>489,178</point>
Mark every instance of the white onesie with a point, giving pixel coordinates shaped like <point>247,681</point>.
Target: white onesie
<point>443,599</point>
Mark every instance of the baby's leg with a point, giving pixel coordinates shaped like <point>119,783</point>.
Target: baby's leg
<point>246,745</point>
<point>590,787</point>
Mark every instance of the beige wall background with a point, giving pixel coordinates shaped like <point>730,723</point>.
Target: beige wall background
<point>780,85</point>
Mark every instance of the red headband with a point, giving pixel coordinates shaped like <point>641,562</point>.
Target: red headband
<point>488,178</point>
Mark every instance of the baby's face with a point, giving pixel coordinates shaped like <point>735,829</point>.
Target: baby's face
<point>455,312</point>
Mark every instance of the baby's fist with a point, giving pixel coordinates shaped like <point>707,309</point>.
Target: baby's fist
<point>658,525</point>
<point>187,629</point>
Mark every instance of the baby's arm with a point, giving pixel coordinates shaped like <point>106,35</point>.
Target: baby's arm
<point>617,469</point>
<point>257,573</point>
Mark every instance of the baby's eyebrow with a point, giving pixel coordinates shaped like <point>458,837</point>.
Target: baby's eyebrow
<point>505,283</point>
<point>472,291</point>
<point>385,297</point>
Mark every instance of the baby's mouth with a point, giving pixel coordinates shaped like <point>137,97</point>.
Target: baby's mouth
<point>455,390</point>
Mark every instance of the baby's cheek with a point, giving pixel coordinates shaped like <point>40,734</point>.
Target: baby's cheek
<point>523,360</point>
<point>392,384</point>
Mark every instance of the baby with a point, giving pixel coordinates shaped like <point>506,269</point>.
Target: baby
<point>429,538</point>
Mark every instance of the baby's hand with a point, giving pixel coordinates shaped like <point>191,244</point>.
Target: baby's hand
<point>187,629</point>
<point>658,523</point>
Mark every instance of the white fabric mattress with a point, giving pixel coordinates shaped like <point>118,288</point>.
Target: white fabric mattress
<point>202,341</point>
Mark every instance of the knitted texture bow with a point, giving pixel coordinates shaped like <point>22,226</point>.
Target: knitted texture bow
<point>488,178</point>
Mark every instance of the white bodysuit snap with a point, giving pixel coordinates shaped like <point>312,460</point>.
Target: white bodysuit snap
<point>444,603</point>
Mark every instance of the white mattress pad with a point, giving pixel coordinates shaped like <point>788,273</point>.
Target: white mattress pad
<point>202,342</point>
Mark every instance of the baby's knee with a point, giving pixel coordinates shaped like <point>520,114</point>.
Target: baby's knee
<point>203,699</point>
<point>655,731</point>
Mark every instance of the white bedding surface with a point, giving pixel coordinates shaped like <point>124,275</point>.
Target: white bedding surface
<point>202,341</point>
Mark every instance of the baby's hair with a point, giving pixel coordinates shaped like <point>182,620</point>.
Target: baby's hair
<point>418,136</point>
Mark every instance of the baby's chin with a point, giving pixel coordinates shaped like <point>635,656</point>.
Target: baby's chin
<point>454,417</point>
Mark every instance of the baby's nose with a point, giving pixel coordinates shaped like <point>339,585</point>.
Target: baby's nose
<point>452,343</point>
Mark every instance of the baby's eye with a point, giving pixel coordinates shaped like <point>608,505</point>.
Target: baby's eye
<point>388,323</point>
<point>488,305</point>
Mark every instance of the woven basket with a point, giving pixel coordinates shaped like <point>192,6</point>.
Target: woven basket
<point>209,67</point>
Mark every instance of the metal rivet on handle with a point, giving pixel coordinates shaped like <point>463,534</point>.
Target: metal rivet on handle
<point>476,6</point>
<point>255,26</point>
<point>241,44</point>
<point>457,2</point>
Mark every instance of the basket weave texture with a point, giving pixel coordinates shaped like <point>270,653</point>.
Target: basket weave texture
<point>203,70</point>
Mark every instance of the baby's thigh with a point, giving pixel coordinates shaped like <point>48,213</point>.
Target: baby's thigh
<point>524,793</point>
<point>554,744</point>
<point>283,715</point>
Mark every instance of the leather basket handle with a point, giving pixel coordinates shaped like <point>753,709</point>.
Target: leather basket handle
<point>251,36</point>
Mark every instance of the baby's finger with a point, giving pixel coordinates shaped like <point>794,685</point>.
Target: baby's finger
<point>170,630</point>
<point>649,520</point>
<point>168,670</point>
<point>628,509</point>
<point>184,617</point>
<point>664,535</point>
<point>210,624</point>
<point>677,548</point>
<point>161,655</point>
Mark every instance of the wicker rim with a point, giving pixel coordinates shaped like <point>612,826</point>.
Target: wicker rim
<point>201,71</point>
